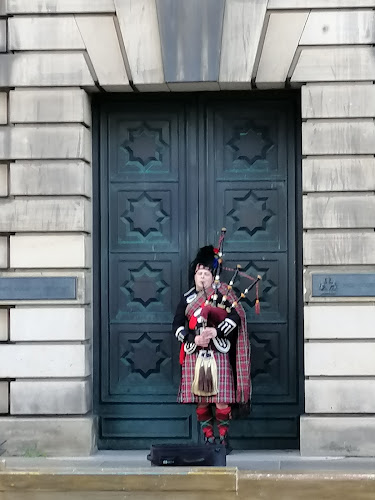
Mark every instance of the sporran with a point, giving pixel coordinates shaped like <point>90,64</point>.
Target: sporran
<point>205,374</point>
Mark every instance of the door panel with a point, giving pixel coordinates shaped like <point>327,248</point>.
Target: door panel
<point>144,144</point>
<point>170,171</point>
<point>247,141</point>
<point>146,365</point>
<point>141,288</point>
<point>254,215</point>
<point>273,287</point>
<point>143,219</point>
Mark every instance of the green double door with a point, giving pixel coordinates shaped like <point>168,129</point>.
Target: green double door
<point>172,171</point>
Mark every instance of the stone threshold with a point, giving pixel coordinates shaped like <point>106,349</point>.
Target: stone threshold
<point>53,479</point>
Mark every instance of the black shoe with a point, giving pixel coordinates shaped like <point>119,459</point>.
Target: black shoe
<point>224,441</point>
<point>209,440</point>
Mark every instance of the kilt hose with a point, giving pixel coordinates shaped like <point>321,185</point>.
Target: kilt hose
<point>226,392</point>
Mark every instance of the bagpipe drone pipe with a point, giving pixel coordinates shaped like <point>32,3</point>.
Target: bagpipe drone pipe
<point>214,310</point>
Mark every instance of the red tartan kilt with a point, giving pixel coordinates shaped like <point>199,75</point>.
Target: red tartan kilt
<point>225,393</point>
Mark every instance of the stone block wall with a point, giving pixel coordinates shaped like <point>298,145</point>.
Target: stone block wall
<point>339,220</point>
<point>45,231</point>
<point>53,55</point>
<point>338,169</point>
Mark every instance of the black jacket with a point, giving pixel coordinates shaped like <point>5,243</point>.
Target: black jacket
<point>226,331</point>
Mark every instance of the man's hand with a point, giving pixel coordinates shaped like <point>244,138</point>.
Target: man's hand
<point>209,333</point>
<point>202,341</point>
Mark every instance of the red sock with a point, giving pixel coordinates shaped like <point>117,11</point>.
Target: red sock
<point>204,416</point>
<point>222,418</point>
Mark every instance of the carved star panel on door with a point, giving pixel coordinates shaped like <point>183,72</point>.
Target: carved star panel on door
<point>144,147</point>
<point>144,219</point>
<point>141,290</point>
<point>273,288</point>
<point>248,144</point>
<point>142,361</point>
<point>141,148</point>
<point>269,361</point>
<point>254,216</point>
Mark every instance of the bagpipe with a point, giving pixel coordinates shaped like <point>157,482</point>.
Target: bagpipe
<point>213,313</point>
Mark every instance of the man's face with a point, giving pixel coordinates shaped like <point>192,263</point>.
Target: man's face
<point>203,278</point>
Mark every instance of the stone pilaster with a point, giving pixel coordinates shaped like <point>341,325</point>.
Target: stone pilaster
<point>339,204</point>
<point>45,226</point>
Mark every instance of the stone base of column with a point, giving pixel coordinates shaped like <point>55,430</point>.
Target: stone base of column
<point>337,435</point>
<point>50,437</point>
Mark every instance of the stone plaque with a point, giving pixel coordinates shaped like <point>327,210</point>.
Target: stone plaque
<point>38,288</point>
<point>343,285</point>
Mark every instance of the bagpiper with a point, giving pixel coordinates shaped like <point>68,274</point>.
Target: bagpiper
<point>210,323</point>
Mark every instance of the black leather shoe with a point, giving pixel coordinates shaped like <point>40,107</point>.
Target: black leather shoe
<point>225,442</point>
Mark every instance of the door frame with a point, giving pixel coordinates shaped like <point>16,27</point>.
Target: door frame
<point>102,100</point>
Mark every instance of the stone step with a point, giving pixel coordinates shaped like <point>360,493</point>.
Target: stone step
<point>153,483</point>
<point>306,486</point>
<point>181,484</point>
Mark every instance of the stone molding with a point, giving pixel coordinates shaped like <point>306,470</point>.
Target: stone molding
<point>110,43</point>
